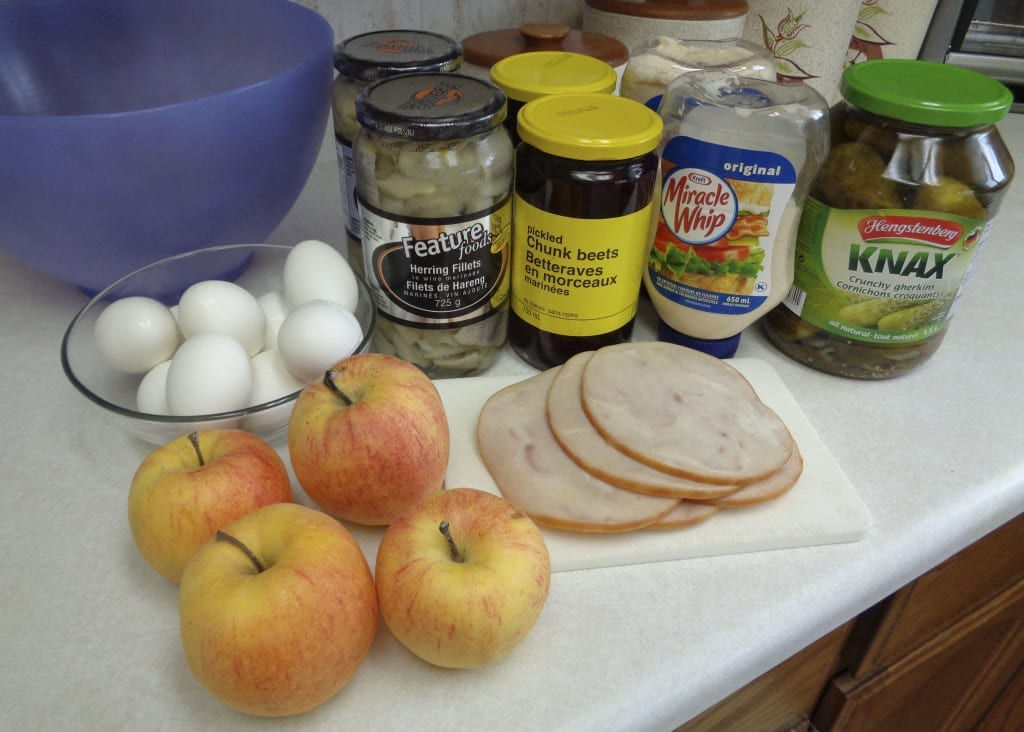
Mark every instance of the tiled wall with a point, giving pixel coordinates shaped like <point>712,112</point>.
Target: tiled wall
<point>455,18</point>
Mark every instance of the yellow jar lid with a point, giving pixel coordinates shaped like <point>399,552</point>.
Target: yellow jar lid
<point>589,126</point>
<point>527,76</point>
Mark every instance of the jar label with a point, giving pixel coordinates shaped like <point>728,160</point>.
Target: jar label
<point>721,216</point>
<point>441,273</point>
<point>349,202</point>
<point>577,277</point>
<point>887,276</point>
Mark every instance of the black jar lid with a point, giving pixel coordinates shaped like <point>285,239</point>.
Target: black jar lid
<point>380,54</point>
<point>430,106</point>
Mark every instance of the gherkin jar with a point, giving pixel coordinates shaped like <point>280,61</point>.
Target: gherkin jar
<point>364,59</point>
<point>901,207</point>
<point>433,165</point>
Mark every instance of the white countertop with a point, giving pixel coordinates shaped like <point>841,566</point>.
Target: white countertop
<point>89,637</point>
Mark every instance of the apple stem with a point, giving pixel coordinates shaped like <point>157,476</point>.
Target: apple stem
<point>445,529</point>
<point>329,383</point>
<point>221,536</point>
<point>193,437</point>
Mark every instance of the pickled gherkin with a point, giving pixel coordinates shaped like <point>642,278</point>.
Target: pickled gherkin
<point>905,201</point>
<point>915,316</point>
<point>950,196</point>
<point>868,312</point>
<point>853,176</point>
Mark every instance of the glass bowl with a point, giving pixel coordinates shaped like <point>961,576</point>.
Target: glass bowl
<point>256,267</point>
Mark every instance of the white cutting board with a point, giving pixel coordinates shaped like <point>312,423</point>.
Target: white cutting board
<point>822,508</point>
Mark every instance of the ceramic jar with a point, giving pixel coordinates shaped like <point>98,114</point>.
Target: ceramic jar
<point>808,39</point>
<point>636,21</point>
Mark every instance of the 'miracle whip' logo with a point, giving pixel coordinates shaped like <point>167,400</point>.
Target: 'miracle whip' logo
<point>698,206</point>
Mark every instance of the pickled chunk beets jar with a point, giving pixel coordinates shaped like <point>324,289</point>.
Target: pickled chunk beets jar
<point>582,219</point>
<point>434,183</point>
<point>902,205</point>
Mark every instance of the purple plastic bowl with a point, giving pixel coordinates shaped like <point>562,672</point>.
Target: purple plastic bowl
<point>132,130</point>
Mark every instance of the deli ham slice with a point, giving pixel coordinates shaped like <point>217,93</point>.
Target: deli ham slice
<point>765,489</point>
<point>683,412</point>
<point>587,447</point>
<point>684,515</point>
<point>533,472</point>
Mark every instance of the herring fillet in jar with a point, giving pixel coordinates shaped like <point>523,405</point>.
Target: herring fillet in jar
<point>434,182</point>
<point>363,59</point>
<point>895,219</point>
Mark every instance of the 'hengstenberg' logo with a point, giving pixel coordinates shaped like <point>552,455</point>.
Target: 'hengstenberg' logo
<point>697,206</point>
<point>910,230</point>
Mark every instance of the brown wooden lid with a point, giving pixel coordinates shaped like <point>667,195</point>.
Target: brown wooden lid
<point>487,48</point>
<point>674,9</point>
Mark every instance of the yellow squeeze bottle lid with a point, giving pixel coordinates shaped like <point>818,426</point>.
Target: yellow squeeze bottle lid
<point>527,76</point>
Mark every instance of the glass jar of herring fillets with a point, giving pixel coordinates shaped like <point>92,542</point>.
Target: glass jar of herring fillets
<point>434,180</point>
<point>361,60</point>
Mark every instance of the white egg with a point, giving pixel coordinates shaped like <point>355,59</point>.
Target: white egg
<point>210,372</point>
<point>274,311</point>
<point>151,396</point>
<point>315,336</point>
<point>216,306</point>
<point>314,270</point>
<point>271,380</point>
<point>134,334</point>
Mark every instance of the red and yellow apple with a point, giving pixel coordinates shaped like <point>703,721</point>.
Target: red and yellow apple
<point>277,611</point>
<point>462,578</point>
<point>185,490</point>
<point>370,439</point>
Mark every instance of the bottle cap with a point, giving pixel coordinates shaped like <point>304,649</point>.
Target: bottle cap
<point>380,54</point>
<point>427,107</point>
<point>527,76</point>
<point>603,126</point>
<point>926,92</point>
<point>720,348</point>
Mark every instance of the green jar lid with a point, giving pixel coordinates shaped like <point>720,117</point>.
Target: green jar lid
<point>589,127</point>
<point>527,76</point>
<point>925,93</point>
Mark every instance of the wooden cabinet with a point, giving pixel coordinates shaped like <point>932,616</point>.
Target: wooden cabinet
<point>944,653</point>
<point>951,682</point>
<point>781,699</point>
